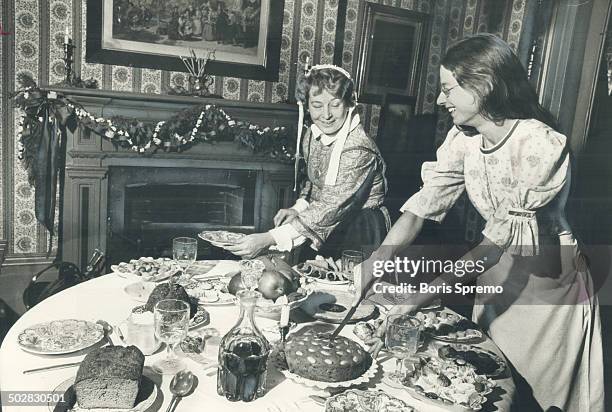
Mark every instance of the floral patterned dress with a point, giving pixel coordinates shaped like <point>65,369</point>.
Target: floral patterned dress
<point>350,213</point>
<point>546,321</point>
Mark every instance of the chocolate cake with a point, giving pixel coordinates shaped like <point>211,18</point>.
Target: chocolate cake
<point>312,356</point>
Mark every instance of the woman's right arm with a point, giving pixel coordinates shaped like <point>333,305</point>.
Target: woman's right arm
<point>401,235</point>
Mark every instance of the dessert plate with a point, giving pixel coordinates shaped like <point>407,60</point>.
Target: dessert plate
<point>139,291</point>
<point>147,393</point>
<point>60,336</point>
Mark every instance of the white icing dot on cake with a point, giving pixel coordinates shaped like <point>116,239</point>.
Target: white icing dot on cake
<point>324,352</point>
<point>299,353</point>
<point>355,359</point>
<point>311,360</point>
<point>327,361</point>
<point>311,350</point>
<point>343,362</point>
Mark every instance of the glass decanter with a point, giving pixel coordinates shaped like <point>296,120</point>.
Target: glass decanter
<point>243,355</point>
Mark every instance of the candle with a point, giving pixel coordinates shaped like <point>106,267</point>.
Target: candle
<point>67,36</point>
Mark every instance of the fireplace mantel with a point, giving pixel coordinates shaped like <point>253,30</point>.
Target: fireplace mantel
<point>90,158</point>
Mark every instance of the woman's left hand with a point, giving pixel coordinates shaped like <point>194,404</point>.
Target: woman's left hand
<point>252,245</point>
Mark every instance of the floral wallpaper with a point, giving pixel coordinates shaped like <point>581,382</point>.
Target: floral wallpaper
<point>34,46</point>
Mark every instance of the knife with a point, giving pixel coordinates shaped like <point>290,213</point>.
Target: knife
<point>47,368</point>
<point>353,308</point>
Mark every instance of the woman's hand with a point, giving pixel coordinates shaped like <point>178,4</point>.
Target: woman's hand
<point>284,216</point>
<point>252,245</point>
<point>377,342</point>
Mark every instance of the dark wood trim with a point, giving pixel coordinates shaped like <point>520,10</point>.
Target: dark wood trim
<point>340,26</point>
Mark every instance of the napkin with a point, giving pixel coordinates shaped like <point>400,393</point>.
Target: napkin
<point>224,268</point>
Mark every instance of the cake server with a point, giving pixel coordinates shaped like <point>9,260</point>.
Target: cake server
<point>353,308</point>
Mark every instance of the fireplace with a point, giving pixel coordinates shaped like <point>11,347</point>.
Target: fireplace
<point>149,206</point>
<point>130,205</point>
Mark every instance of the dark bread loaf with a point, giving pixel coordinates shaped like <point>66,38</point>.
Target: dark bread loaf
<point>171,291</point>
<point>109,377</point>
<point>313,357</point>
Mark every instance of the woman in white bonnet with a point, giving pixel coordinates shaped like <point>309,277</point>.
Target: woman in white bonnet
<point>340,205</point>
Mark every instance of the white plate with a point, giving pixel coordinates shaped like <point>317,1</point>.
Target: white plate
<point>323,281</point>
<point>140,291</point>
<point>58,337</point>
<point>145,399</point>
<point>221,238</point>
<point>332,307</point>
<point>164,268</point>
<point>202,317</point>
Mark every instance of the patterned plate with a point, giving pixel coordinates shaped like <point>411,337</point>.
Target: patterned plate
<point>221,237</point>
<point>447,326</point>
<point>355,400</point>
<point>150,269</point>
<point>484,361</point>
<point>60,336</point>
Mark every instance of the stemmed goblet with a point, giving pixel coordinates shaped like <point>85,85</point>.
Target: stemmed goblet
<point>402,338</point>
<point>184,252</point>
<point>171,319</point>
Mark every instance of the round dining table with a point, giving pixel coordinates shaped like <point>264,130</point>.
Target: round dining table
<point>104,298</point>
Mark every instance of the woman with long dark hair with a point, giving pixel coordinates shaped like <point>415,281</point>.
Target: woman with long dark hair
<point>506,154</point>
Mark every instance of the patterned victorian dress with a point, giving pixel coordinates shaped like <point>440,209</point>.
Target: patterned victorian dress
<point>546,321</point>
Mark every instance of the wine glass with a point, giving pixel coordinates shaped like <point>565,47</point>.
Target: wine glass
<point>350,259</point>
<point>171,320</point>
<point>251,271</point>
<point>184,252</point>
<point>402,338</point>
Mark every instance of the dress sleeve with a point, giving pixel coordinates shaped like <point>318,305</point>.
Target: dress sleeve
<point>358,168</point>
<point>443,180</point>
<point>542,175</point>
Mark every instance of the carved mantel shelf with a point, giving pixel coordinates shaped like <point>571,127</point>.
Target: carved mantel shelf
<point>90,158</point>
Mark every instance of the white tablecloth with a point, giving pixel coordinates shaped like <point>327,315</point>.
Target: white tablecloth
<point>104,298</point>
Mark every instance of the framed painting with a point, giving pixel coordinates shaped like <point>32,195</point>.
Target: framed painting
<point>244,34</point>
<point>391,52</point>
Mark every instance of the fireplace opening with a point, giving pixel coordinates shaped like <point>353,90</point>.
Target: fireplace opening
<point>148,207</point>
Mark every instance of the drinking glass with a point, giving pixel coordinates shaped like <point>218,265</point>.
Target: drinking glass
<point>350,259</point>
<point>171,319</point>
<point>184,252</point>
<point>402,338</point>
<point>141,332</point>
<point>251,271</point>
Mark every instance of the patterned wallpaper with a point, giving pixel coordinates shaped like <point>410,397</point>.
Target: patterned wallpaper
<point>34,46</point>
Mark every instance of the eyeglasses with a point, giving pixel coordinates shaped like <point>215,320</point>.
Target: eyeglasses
<point>447,91</point>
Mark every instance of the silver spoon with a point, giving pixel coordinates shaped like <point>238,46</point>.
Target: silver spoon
<point>181,385</point>
<point>108,329</point>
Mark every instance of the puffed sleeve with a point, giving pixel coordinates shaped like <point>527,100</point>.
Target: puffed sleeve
<point>358,168</point>
<point>542,174</point>
<point>443,180</point>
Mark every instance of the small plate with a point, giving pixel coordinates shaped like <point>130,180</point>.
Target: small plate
<point>58,337</point>
<point>139,291</point>
<point>148,268</point>
<point>484,361</point>
<point>147,394</point>
<point>320,275</point>
<point>332,307</point>
<point>220,238</point>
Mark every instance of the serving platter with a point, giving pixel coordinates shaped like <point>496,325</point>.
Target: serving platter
<point>443,383</point>
<point>447,326</point>
<point>148,268</point>
<point>355,400</point>
<point>332,307</point>
<point>485,362</point>
<point>321,275</point>
<point>58,337</point>
<point>147,394</point>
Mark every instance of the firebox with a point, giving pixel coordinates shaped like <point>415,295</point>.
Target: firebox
<point>148,206</point>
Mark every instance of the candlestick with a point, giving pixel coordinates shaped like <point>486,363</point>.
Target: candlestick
<point>67,36</point>
<point>68,60</point>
